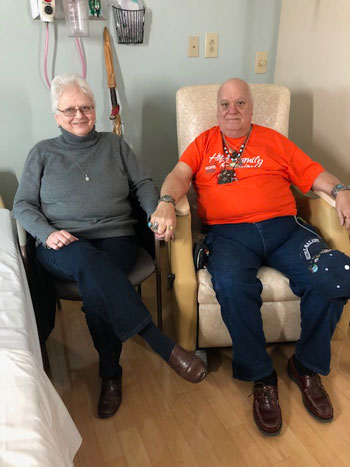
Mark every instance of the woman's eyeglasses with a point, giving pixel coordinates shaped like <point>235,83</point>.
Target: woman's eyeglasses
<point>71,111</point>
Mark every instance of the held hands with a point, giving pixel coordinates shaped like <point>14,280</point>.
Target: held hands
<point>342,205</point>
<point>60,238</point>
<point>163,221</point>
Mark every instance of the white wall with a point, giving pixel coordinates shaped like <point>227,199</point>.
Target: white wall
<point>313,60</point>
<point>148,75</point>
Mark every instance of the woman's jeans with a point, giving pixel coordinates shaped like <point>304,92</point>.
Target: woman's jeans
<point>236,253</point>
<point>113,309</point>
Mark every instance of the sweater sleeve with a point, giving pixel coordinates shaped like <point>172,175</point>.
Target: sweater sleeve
<point>26,208</point>
<point>140,183</point>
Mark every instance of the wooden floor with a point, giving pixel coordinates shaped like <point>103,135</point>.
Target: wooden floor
<point>165,421</point>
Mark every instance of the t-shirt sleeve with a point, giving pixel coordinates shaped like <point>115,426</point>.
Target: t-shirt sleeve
<point>302,170</point>
<point>193,154</point>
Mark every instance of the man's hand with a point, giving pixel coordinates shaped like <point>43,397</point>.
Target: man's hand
<point>163,221</point>
<point>60,238</point>
<point>342,204</point>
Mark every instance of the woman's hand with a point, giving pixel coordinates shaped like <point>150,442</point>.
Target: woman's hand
<point>60,238</point>
<point>163,221</point>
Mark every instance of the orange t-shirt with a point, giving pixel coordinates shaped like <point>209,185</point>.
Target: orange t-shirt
<point>270,164</point>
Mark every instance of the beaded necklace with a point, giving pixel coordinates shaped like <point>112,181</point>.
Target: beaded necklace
<point>228,175</point>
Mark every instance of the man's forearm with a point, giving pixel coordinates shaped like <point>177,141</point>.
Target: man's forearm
<point>177,182</point>
<point>325,182</point>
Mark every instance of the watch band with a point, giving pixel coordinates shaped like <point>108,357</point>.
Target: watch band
<point>167,199</point>
<point>339,187</point>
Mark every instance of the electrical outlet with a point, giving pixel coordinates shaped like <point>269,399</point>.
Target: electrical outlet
<point>47,10</point>
<point>193,46</point>
<point>211,44</point>
<point>261,62</point>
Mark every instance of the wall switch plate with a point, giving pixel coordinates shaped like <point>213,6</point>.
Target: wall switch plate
<point>193,46</point>
<point>211,44</point>
<point>261,62</point>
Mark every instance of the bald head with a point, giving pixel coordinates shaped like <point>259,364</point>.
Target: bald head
<point>236,83</point>
<point>234,107</point>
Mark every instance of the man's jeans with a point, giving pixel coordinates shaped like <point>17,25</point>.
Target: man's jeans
<point>113,309</point>
<point>236,253</point>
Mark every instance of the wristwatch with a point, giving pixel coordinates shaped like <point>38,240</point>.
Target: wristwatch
<point>340,187</point>
<point>167,199</point>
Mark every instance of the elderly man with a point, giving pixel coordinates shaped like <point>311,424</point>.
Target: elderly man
<point>242,174</point>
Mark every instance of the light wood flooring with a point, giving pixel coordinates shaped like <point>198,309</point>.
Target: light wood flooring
<point>165,421</point>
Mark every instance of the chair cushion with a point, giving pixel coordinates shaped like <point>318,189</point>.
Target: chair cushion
<point>281,323</point>
<point>275,286</point>
<point>280,310</point>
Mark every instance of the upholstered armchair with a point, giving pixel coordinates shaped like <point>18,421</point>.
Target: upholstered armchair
<point>196,311</point>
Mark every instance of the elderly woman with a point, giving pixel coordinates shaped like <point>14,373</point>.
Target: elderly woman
<point>73,199</point>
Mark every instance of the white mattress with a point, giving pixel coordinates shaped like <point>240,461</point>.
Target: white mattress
<point>17,321</point>
<point>35,426</point>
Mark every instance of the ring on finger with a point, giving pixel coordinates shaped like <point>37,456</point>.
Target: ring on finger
<point>169,227</point>
<point>150,225</point>
<point>155,226</point>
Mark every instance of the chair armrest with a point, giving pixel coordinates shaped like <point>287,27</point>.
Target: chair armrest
<point>182,207</point>
<point>320,212</point>
<point>185,283</point>
<point>2,205</point>
<point>328,199</point>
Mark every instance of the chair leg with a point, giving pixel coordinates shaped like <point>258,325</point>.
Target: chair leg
<point>158,287</point>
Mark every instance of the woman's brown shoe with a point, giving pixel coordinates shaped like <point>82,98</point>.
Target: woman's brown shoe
<point>187,365</point>
<point>110,397</point>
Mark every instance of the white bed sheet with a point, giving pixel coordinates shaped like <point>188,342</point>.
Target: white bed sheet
<point>17,320</point>
<point>36,429</point>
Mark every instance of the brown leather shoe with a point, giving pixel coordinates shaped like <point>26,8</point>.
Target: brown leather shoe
<point>187,365</point>
<point>110,397</point>
<point>315,397</point>
<point>266,408</point>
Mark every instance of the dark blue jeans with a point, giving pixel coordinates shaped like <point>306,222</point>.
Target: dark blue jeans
<point>236,253</point>
<point>113,309</point>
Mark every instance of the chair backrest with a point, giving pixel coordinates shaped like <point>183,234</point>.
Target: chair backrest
<point>196,112</point>
<point>196,109</point>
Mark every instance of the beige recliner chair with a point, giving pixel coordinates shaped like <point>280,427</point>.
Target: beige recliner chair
<point>196,311</point>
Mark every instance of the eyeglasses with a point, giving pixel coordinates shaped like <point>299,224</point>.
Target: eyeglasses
<point>71,111</point>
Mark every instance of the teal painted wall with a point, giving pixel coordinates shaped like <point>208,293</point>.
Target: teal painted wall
<point>148,75</point>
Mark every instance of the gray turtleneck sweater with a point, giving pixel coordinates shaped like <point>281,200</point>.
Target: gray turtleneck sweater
<point>54,195</point>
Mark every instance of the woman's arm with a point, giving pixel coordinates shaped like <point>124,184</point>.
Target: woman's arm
<point>140,183</point>
<point>26,208</point>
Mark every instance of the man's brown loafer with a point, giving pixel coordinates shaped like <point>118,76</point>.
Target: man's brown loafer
<point>110,397</point>
<point>266,408</point>
<point>187,365</point>
<point>315,397</point>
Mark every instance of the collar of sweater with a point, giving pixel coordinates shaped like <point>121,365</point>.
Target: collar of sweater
<point>70,140</point>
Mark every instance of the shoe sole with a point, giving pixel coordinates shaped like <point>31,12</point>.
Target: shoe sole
<point>316,417</point>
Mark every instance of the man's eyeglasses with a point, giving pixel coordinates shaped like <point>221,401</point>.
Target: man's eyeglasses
<point>71,111</point>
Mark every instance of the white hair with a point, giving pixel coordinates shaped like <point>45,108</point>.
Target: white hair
<point>62,82</point>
